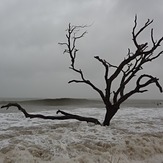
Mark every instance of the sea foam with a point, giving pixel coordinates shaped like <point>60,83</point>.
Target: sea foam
<point>134,136</point>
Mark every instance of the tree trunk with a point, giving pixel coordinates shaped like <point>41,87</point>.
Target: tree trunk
<point>110,112</point>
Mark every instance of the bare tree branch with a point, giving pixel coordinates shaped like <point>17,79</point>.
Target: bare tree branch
<point>64,117</point>
<point>72,37</point>
<point>136,34</point>
<point>135,61</point>
<point>126,71</point>
<point>139,86</point>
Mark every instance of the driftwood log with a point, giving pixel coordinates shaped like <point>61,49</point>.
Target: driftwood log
<point>64,116</point>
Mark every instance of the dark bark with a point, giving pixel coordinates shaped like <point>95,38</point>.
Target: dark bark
<point>110,112</point>
<point>64,117</point>
<point>126,71</point>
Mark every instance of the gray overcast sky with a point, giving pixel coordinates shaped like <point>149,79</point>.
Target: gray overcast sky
<point>32,63</point>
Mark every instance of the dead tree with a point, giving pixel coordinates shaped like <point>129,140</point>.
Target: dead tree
<point>126,70</point>
<point>64,117</point>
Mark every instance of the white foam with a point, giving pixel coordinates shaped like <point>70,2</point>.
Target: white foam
<point>135,136</point>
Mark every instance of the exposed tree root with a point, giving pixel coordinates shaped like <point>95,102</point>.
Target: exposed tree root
<point>64,117</point>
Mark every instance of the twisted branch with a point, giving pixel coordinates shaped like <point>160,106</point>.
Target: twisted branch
<point>64,117</point>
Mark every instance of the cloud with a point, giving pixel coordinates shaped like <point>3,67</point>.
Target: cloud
<point>31,61</point>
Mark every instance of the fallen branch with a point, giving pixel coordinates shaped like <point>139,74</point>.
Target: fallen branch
<point>64,117</point>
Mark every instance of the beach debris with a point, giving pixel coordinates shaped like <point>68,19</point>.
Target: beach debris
<point>64,116</point>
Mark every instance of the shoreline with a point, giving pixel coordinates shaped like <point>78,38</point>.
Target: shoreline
<point>81,102</point>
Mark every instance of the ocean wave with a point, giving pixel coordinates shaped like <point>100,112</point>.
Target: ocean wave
<point>73,102</point>
<point>56,102</point>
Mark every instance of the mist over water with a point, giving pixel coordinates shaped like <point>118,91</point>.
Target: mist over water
<point>135,134</point>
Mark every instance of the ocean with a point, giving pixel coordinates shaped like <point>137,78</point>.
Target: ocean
<point>134,136</point>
